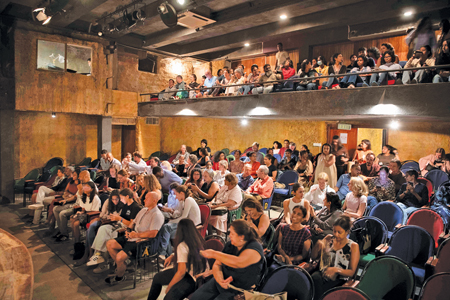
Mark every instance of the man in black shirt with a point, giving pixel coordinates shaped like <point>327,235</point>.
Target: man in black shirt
<point>289,162</point>
<point>396,175</point>
<point>443,58</point>
<point>412,194</point>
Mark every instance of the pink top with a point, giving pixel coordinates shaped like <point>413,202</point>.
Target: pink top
<point>354,202</point>
<point>262,187</point>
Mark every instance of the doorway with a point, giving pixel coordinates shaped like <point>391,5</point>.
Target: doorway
<point>128,139</point>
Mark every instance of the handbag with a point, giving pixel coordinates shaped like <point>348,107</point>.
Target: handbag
<point>220,211</point>
<point>83,218</point>
<point>254,295</point>
<point>362,237</point>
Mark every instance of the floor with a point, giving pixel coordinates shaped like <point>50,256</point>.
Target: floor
<point>55,276</point>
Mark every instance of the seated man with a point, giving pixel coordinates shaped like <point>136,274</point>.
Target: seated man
<point>267,76</point>
<point>262,187</point>
<point>259,155</point>
<point>171,88</point>
<point>172,209</point>
<point>381,187</point>
<point>369,170</point>
<point>113,161</point>
<point>209,83</point>
<point>182,152</point>
<point>147,224</point>
<point>341,187</point>
<point>165,178</point>
<point>396,175</point>
<point>289,162</point>
<point>412,194</point>
<point>443,58</point>
<point>138,165</point>
<point>151,163</point>
<point>245,179</point>
<point>105,164</point>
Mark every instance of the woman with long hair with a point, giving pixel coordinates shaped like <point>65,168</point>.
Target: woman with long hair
<point>276,147</point>
<point>257,219</point>
<point>322,221</point>
<point>386,47</point>
<point>387,63</point>
<point>111,179</point>
<point>361,152</point>
<point>322,69</point>
<point>360,66</point>
<point>151,184</point>
<point>387,154</point>
<point>356,201</point>
<point>306,70</point>
<point>217,158</point>
<point>326,163</point>
<point>236,166</point>
<point>187,263</point>
<point>336,67</point>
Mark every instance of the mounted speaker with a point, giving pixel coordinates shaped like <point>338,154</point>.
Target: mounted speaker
<point>168,14</point>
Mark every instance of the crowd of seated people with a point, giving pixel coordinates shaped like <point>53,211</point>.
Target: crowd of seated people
<point>332,192</point>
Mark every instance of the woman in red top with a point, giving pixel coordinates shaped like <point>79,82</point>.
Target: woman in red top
<point>288,71</point>
<point>220,156</point>
<point>255,165</point>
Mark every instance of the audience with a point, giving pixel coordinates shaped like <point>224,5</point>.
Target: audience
<point>363,149</point>
<point>388,153</point>
<point>209,189</point>
<point>281,56</point>
<point>252,78</point>
<point>341,154</point>
<point>138,165</point>
<point>322,222</point>
<point>350,81</point>
<point>443,58</point>
<point>167,95</point>
<point>304,167</point>
<point>421,58</point>
<point>267,76</point>
<point>204,158</point>
<point>322,69</point>
<point>381,187</point>
<point>298,200</point>
<point>289,162</point>
<point>222,172</point>
<point>412,195</point>
<point>326,164</point>
<point>253,163</point>
<point>378,78</point>
<point>336,67</point>
<point>245,179</point>
<point>369,169</point>
<point>165,178</point>
<point>273,173</point>
<point>396,175</point>
<point>182,152</point>
<point>209,83</point>
<point>341,187</point>
<point>432,161</point>
<point>237,165</point>
<point>318,191</point>
<point>262,187</point>
<point>172,209</point>
<point>356,200</point>
<point>112,179</point>
<point>256,218</point>
<point>423,34</point>
<point>218,157</point>
<point>204,145</point>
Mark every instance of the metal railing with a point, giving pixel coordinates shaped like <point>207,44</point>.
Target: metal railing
<point>297,79</point>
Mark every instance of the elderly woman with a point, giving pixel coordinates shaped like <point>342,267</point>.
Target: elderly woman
<point>317,192</point>
<point>322,221</point>
<point>356,201</point>
<point>220,175</point>
<point>257,219</point>
<point>236,166</point>
<point>228,198</point>
<point>209,189</point>
<point>238,79</point>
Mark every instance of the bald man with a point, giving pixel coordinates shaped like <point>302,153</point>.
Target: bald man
<point>113,161</point>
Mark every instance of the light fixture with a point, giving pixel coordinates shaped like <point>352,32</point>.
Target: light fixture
<point>283,17</point>
<point>246,44</point>
<point>168,14</point>
<point>181,2</point>
<point>53,115</point>
<point>408,13</point>
<point>260,111</point>
<point>394,125</point>
<point>244,122</point>
<point>385,109</point>
<point>186,112</point>
<point>45,14</point>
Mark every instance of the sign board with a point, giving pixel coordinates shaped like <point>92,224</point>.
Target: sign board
<point>343,138</point>
<point>344,126</point>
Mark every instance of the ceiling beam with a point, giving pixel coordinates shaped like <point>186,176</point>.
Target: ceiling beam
<point>364,12</point>
<point>75,10</point>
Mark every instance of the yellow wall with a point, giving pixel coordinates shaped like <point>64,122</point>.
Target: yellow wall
<point>116,141</point>
<point>374,135</point>
<point>229,133</point>
<point>147,137</point>
<point>124,104</point>
<point>39,137</point>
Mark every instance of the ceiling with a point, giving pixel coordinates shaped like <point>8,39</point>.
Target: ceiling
<point>236,21</point>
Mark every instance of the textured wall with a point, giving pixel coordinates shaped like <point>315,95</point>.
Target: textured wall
<point>147,137</point>
<point>116,141</point>
<point>374,135</point>
<point>125,104</point>
<point>229,133</point>
<point>39,137</point>
<point>43,90</point>
<point>216,65</point>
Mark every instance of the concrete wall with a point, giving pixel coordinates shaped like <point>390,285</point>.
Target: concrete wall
<point>39,137</point>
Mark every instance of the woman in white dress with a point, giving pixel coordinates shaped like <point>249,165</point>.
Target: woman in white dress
<point>326,163</point>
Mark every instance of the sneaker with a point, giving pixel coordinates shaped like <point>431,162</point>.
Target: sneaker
<point>414,81</point>
<point>365,85</point>
<point>113,280</point>
<point>96,259</point>
<point>101,268</point>
<point>62,238</point>
<point>374,84</point>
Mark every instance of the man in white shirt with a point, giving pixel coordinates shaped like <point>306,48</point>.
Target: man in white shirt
<point>152,163</point>
<point>281,57</point>
<point>138,165</point>
<point>182,152</point>
<point>104,162</point>
<point>113,161</point>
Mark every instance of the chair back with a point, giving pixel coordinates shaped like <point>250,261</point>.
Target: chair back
<point>288,177</point>
<point>410,165</point>
<point>230,157</point>
<point>214,242</point>
<point>378,230</point>
<point>436,287</point>
<point>263,151</point>
<point>55,161</point>
<point>412,244</point>
<point>95,163</point>
<point>443,254</point>
<point>85,162</point>
<point>388,212</point>
<point>172,158</point>
<point>205,212</point>
<point>429,186</point>
<point>226,151</point>
<point>278,157</point>
<point>428,220</point>
<point>377,284</point>
<point>445,183</point>
<point>103,197</point>
<point>234,215</point>
<point>294,280</point>
<point>437,177</point>
<point>267,202</point>
<point>345,293</point>
<point>157,154</point>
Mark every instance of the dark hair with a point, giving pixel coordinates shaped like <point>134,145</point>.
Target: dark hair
<point>441,151</point>
<point>77,170</point>
<point>195,76</point>
<point>173,185</point>
<point>447,157</point>
<point>324,61</point>
<point>291,64</point>
<point>398,162</point>
<point>217,156</point>
<point>252,203</point>
<point>306,147</point>
<point>253,67</point>
<point>362,49</point>
<point>157,170</point>
<point>270,157</point>
<point>172,80</point>
<point>302,208</point>
<point>391,54</point>
<point>237,150</point>
<point>218,72</point>
<point>111,206</point>
<point>155,158</point>
<point>137,154</point>
<point>191,179</point>
<point>303,152</point>
<point>278,144</point>
<point>386,169</point>
<point>334,57</point>
<point>326,144</point>
<point>344,222</point>
<point>92,194</point>
<point>203,151</point>
<point>390,148</point>
<point>412,173</point>
<point>183,189</point>
<point>375,51</point>
<point>188,234</point>
<point>243,229</point>
<point>127,192</point>
<point>422,23</point>
<point>280,44</point>
<point>104,151</point>
<point>122,173</point>
<point>367,142</point>
<point>204,141</point>
<point>250,153</point>
<point>303,65</point>
<point>296,186</point>
<point>365,60</point>
<point>428,49</point>
<point>180,77</point>
<point>204,76</point>
<point>335,202</point>
<point>266,65</point>
<point>388,46</point>
<point>351,56</point>
<point>288,150</point>
<point>286,141</point>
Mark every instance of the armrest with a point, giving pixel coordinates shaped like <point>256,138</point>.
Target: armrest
<point>443,237</point>
<point>351,283</point>
<point>381,249</point>
<point>430,266</point>
<point>398,226</point>
<point>30,180</point>
<point>93,213</point>
<point>199,227</point>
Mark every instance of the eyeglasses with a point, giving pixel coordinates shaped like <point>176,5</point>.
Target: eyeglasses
<point>386,56</point>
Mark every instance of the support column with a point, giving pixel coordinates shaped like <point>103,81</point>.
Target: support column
<point>7,156</point>
<point>104,134</point>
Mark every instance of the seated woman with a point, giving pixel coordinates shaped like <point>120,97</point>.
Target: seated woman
<point>386,47</point>
<point>209,165</point>
<point>350,81</point>
<point>255,164</point>
<point>124,181</point>
<point>217,158</point>
<point>112,181</point>
<point>387,154</point>
<point>238,78</point>
<point>209,189</point>
<point>322,221</point>
<point>257,219</point>
<point>226,80</point>
<point>363,149</point>
<point>181,168</point>
<point>236,166</point>
<point>356,200</point>
<point>288,72</point>
<point>150,184</point>
<point>298,200</point>
<point>140,188</point>
<point>382,188</point>
<point>432,161</point>
<point>294,240</point>
<point>421,58</point>
<point>304,167</point>
<point>203,144</point>
<point>322,69</point>
<point>336,67</point>
<point>306,70</point>
<point>339,258</point>
<point>274,160</point>
<point>195,178</point>
<point>273,172</point>
<point>222,172</point>
<point>193,84</point>
<point>187,263</point>
<point>240,264</point>
<point>378,78</point>
<point>191,164</point>
<point>276,147</point>
<point>229,198</point>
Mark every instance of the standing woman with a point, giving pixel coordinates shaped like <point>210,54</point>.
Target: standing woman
<point>326,163</point>
<point>339,257</point>
<point>337,67</point>
<point>187,264</point>
<point>240,264</point>
<point>422,35</point>
<point>363,149</point>
<point>237,165</point>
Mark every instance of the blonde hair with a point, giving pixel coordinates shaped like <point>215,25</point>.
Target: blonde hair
<point>323,176</point>
<point>223,163</point>
<point>151,183</point>
<point>359,188</point>
<point>166,165</point>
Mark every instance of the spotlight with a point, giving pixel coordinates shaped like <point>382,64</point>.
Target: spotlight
<point>283,17</point>
<point>53,115</point>
<point>138,15</point>
<point>162,9</point>
<point>244,122</point>
<point>408,13</point>
<point>181,2</point>
<point>394,125</point>
<point>246,44</point>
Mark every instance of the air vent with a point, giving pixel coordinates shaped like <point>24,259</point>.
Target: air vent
<point>123,121</point>
<point>152,121</point>
<point>194,21</point>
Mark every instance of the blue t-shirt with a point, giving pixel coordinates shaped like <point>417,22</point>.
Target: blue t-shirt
<point>210,82</point>
<point>168,178</point>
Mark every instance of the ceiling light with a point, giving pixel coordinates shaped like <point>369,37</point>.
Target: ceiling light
<point>408,13</point>
<point>244,122</point>
<point>181,2</point>
<point>162,9</point>
<point>186,112</point>
<point>394,125</point>
<point>385,109</point>
<point>246,44</point>
<point>283,17</point>
<point>53,115</point>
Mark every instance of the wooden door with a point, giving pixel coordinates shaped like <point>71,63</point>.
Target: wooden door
<point>128,139</point>
<point>349,138</point>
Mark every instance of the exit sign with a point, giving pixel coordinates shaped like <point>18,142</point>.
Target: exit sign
<point>344,126</point>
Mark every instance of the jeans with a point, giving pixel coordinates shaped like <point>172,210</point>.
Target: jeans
<point>245,89</point>
<point>62,213</point>
<point>371,202</point>
<point>167,232</point>
<point>353,79</point>
<point>104,234</point>
<point>310,86</point>
<point>330,82</point>
<point>417,76</point>
<point>91,232</point>
<point>438,78</point>
<point>179,290</point>
<point>407,210</point>
<point>262,90</point>
<point>212,290</point>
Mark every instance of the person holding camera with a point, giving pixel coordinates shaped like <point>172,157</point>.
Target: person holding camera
<point>421,58</point>
<point>412,195</point>
<point>432,161</point>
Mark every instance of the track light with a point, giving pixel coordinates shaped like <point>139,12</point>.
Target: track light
<point>162,9</point>
<point>138,15</point>
<point>45,14</point>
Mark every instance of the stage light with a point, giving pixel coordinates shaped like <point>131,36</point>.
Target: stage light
<point>394,125</point>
